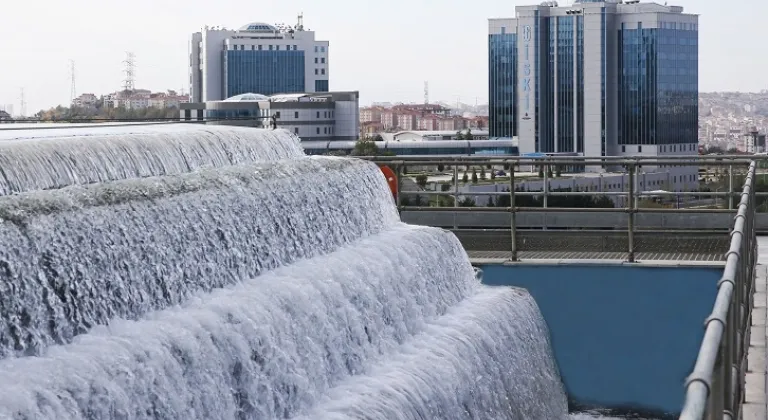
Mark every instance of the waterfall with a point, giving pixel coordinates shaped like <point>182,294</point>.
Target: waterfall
<point>47,159</point>
<point>488,359</point>
<point>94,252</point>
<point>263,348</point>
<point>200,272</point>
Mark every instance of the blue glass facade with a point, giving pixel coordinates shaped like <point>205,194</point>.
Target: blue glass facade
<point>502,81</point>
<point>658,85</point>
<point>264,72</point>
<point>321,86</point>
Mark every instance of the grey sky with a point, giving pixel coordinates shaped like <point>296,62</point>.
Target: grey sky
<point>386,50</point>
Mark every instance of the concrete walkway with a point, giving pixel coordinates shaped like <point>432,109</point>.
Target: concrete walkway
<point>755,408</point>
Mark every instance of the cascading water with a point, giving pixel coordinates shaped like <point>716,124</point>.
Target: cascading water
<point>487,359</point>
<point>122,249</point>
<point>279,288</point>
<point>47,159</point>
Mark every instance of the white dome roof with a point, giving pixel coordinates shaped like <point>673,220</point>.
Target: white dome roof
<point>247,97</point>
<point>258,27</point>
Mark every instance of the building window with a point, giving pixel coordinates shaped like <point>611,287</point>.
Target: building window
<point>295,47</point>
<point>260,47</point>
<point>277,114</point>
<point>318,114</point>
<point>322,71</point>
<point>322,49</point>
<point>322,60</point>
<point>639,149</point>
<point>318,130</point>
<point>296,115</point>
<point>296,130</point>
<point>316,51</point>
<point>315,60</point>
<point>623,149</point>
<point>253,47</point>
<point>270,47</point>
<point>277,48</point>
<point>316,71</point>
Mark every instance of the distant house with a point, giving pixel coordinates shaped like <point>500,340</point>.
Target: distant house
<point>4,116</point>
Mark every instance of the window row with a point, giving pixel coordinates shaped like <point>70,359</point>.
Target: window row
<point>268,47</point>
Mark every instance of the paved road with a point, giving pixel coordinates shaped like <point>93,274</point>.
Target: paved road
<point>756,399</point>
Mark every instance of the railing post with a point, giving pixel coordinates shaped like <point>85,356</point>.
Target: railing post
<point>399,186</point>
<point>730,187</point>
<point>455,194</point>
<point>545,187</point>
<point>631,214</point>
<point>512,212</point>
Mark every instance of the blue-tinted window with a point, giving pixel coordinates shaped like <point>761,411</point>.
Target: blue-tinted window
<point>321,86</point>
<point>264,72</point>
<point>502,86</point>
<point>658,95</point>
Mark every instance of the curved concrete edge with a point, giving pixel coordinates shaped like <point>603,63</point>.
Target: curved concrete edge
<point>755,394</point>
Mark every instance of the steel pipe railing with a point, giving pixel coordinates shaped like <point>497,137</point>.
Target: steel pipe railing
<point>715,387</point>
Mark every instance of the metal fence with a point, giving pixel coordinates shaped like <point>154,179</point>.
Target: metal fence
<point>715,389</point>
<point>628,201</point>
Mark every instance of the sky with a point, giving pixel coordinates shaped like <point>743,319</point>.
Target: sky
<point>384,49</point>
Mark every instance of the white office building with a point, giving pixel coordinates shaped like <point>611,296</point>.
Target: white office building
<point>258,57</point>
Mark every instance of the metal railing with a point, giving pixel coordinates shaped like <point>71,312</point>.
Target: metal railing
<point>628,198</point>
<point>715,388</point>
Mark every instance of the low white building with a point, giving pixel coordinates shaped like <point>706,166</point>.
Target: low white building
<point>311,116</point>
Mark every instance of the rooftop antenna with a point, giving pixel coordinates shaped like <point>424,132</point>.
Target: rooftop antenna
<point>73,88</point>
<point>300,22</point>
<point>129,83</point>
<point>426,93</point>
<point>23,104</point>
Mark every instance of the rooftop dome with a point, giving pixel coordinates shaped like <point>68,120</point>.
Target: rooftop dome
<point>247,97</point>
<point>258,27</point>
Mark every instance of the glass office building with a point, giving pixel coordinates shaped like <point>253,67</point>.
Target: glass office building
<point>596,78</point>
<point>502,67</point>
<point>257,58</point>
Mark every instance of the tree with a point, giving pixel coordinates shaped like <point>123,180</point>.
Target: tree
<point>549,171</point>
<point>465,178</point>
<point>483,175</point>
<point>493,174</point>
<point>468,135</point>
<point>377,137</point>
<point>467,202</point>
<point>474,176</point>
<point>365,147</point>
<point>541,172</point>
<point>440,167</point>
<point>445,187</point>
<point>421,181</point>
<point>558,172</point>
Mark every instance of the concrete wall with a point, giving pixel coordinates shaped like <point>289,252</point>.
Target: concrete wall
<point>625,337</point>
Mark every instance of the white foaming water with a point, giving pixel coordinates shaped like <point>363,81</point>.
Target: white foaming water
<point>489,358</point>
<point>77,257</point>
<point>47,159</point>
<point>263,349</point>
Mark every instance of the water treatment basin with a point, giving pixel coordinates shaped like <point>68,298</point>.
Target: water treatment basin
<point>625,336</point>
